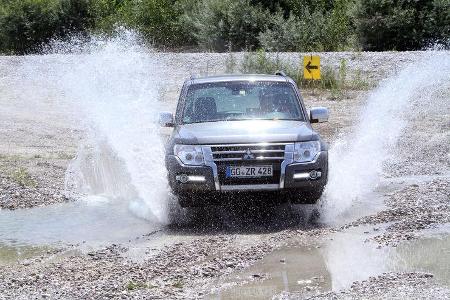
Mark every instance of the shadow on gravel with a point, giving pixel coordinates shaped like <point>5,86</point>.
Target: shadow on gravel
<point>248,217</point>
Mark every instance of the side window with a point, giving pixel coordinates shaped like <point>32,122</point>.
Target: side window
<point>188,109</point>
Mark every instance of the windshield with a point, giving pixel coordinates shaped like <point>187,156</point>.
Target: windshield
<point>230,101</point>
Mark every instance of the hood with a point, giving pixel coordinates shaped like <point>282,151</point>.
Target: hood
<point>238,132</point>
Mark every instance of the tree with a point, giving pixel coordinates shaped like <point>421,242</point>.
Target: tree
<point>401,24</point>
<point>226,24</point>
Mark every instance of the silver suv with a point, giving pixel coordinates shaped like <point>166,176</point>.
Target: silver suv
<point>246,134</point>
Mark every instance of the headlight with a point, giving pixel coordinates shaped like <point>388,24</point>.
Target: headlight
<point>189,155</point>
<point>306,151</point>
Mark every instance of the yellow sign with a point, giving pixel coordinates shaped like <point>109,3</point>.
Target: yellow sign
<point>311,67</point>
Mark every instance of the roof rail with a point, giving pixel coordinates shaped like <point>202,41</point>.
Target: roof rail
<point>280,73</point>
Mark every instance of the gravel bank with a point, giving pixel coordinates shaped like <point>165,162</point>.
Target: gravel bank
<point>386,286</point>
<point>409,210</point>
<point>29,182</point>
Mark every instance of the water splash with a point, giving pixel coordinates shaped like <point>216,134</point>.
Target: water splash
<point>112,85</point>
<point>356,160</point>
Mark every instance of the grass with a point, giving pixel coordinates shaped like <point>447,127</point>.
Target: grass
<point>230,63</point>
<point>131,285</point>
<point>336,81</point>
<point>23,178</point>
<point>13,157</point>
<point>52,155</point>
<point>359,82</point>
<point>65,155</point>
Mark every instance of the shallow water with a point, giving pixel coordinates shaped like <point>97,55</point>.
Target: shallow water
<point>335,263</point>
<point>95,222</point>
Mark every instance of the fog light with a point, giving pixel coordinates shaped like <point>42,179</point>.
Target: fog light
<point>315,174</point>
<point>301,175</point>
<point>308,175</point>
<point>184,178</point>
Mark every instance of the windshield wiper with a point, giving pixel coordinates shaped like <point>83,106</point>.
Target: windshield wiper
<point>239,119</point>
<point>204,121</point>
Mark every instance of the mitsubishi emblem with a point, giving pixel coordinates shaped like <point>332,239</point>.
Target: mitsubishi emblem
<point>248,155</point>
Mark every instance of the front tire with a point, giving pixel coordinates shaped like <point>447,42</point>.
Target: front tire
<point>307,196</point>
<point>187,200</point>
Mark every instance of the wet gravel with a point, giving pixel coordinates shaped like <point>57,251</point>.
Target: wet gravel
<point>385,286</point>
<point>409,210</point>
<point>29,182</point>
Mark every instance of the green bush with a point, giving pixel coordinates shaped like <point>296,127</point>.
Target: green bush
<point>230,25</point>
<point>315,29</point>
<point>297,6</point>
<point>303,33</point>
<point>402,24</point>
<point>275,5</point>
<point>339,27</point>
<point>261,62</point>
<point>26,24</point>
<point>437,24</point>
<point>74,16</point>
<point>222,25</point>
<point>108,14</point>
<point>158,21</point>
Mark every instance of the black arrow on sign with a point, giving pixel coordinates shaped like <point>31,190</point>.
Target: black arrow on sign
<point>309,67</point>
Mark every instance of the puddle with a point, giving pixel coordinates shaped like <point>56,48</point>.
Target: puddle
<point>334,264</point>
<point>429,254</point>
<point>289,269</point>
<point>82,222</point>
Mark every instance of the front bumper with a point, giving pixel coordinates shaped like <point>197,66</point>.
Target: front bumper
<point>211,183</point>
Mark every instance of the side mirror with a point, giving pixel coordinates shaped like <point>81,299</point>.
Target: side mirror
<point>166,119</point>
<point>318,115</point>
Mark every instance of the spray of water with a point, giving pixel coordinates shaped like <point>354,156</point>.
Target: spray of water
<point>356,160</point>
<point>112,85</point>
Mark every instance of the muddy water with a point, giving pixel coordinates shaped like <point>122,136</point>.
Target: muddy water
<point>336,262</point>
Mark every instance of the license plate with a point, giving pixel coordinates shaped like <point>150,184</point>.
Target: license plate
<point>249,171</point>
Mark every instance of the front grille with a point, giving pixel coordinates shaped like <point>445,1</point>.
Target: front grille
<point>248,154</point>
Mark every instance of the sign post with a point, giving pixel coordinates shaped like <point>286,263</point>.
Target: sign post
<point>311,67</point>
